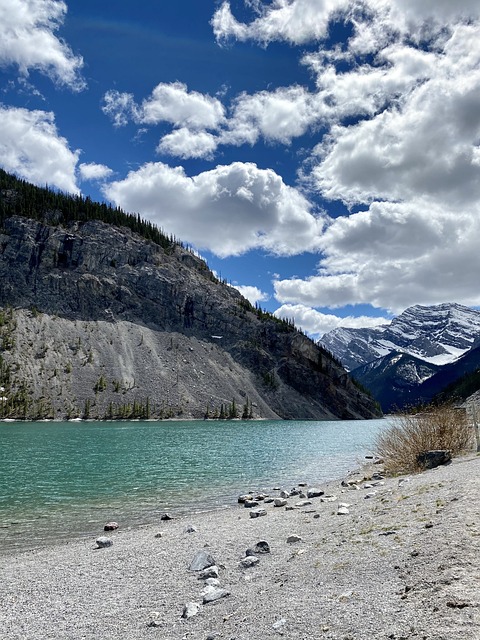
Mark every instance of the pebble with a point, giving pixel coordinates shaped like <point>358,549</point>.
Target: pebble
<point>313,492</point>
<point>342,511</point>
<point>293,538</point>
<point>211,594</point>
<point>303,503</point>
<point>249,561</point>
<point>209,572</point>
<point>201,561</point>
<point>102,542</point>
<point>190,609</point>
<point>256,513</point>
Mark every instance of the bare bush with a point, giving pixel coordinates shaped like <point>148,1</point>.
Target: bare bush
<point>410,435</point>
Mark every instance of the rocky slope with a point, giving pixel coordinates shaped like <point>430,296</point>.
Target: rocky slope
<point>100,322</point>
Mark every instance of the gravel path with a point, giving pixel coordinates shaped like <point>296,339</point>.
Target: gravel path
<point>402,563</point>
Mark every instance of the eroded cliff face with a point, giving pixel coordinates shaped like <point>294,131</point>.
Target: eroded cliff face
<point>102,320</point>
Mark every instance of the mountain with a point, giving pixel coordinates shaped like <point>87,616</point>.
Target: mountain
<point>410,360</point>
<point>438,334</point>
<point>395,379</point>
<point>103,316</point>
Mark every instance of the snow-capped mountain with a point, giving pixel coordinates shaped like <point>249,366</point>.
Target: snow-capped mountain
<point>411,359</point>
<point>438,335</point>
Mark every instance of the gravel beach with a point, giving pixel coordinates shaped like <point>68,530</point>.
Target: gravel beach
<point>375,559</point>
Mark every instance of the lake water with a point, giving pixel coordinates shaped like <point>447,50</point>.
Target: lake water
<point>64,479</point>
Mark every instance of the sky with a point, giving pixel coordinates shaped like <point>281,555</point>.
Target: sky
<point>323,156</point>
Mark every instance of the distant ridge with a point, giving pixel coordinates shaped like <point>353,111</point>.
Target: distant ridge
<point>409,360</point>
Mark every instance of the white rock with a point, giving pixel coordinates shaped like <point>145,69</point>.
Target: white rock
<point>279,502</point>
<point>284,494</point>
<point>210,594</point>
<point>329,499</point>
<point>303,503</point>
<point>190,609</point>
<point>343,511</point>
<point>102,542</point>
<point>249,561</point>
<point>256,513</point>
<point>372,494</point>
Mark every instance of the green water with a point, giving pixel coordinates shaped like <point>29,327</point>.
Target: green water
<point>63,479</point>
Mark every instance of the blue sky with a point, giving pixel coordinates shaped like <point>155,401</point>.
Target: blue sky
<point>322,155</point>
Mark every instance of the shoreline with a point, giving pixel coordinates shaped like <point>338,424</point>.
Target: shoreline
<point>402,563</point>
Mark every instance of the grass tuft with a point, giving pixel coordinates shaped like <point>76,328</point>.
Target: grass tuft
<point>409,435</point>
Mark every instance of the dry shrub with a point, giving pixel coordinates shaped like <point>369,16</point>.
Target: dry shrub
<point>440,427</point>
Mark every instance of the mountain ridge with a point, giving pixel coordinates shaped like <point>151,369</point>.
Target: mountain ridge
<point>407,361</point>
<point>101,322</point>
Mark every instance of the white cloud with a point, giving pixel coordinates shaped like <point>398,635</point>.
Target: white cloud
<point>28,40</point>
<point>297,22</point>
<point>277,116</point>
<point>252,294</point>
<point>31,147</point>
<point>184,143</point>
<point>174,103</point>
<point>169,102</point>
<point>120,107</point>
<point>316,323</point>
<point>228,210</point>
<point>393,256</point>
<point>93,171</point>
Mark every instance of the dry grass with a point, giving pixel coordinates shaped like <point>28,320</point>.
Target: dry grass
<point>409,435</point>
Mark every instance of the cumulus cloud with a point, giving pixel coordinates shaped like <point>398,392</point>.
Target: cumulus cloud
<point>296,22</point>
<point>228,210</point>
<point>184,143</point>
<point>252,294</point>
<point>28,40</point>
<point>93,171</point>
<point>396,117</point>
<point>168,102</point>
<point>31,147</point>
<point>316,323</point>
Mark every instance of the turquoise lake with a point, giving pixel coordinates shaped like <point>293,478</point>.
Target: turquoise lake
<point>64,479</point>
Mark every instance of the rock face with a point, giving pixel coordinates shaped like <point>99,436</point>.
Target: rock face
<point>103,318</point>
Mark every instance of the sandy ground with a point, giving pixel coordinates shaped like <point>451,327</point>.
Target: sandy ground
<point>403,563</point>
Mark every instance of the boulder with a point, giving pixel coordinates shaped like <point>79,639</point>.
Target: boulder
<point>280,502</point>
<point>244,497</point>
<point>110,526</point>
<point>256,513</point>
<point>201,561</point>
<point>434,458</point>
<point>166,516</point>
<point>249,504</point>
<point>284,494</point>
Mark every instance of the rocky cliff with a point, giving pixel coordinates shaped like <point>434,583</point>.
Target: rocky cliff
<point>99,322</point>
